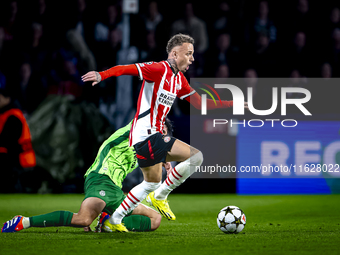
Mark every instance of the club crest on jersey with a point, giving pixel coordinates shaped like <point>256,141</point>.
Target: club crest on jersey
<point>167,139</point>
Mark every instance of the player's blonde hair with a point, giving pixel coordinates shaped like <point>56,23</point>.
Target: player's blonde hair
<point>178,40</point>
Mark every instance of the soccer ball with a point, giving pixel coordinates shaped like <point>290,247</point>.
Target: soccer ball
<point>231,220</point>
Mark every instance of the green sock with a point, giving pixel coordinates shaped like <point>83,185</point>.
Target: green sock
<point>137,223</point>
<point>53,219</point>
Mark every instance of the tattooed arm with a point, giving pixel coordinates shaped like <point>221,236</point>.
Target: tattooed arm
<point>97,77</point>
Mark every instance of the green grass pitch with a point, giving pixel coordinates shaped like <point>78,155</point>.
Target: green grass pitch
<point>275,225</point>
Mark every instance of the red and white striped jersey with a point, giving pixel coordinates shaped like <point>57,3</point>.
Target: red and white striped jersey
<point>160,88</point>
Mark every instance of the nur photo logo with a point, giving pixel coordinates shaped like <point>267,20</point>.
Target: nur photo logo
<point>277,101</point>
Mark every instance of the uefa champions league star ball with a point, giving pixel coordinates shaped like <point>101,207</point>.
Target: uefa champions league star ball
<point>231,219</point>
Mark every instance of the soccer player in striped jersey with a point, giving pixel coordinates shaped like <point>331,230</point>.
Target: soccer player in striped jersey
<point>162,83</point>
<point>103,193</point>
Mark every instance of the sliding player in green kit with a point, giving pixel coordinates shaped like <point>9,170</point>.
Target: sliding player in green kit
<point>103,193</point>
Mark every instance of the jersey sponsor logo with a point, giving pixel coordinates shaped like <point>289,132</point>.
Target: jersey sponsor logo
<point>102,193</point>
<point>166,98</point>
<point>167,139</point>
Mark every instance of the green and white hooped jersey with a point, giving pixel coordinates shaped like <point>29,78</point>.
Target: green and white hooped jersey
<point>115,157</point>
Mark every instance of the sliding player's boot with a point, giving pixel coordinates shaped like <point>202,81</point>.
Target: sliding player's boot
<point>101,219</point>
<point>13,225</point>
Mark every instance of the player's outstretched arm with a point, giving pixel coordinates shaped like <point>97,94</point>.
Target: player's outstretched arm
<point>96,77</point>
<point>195,100</point>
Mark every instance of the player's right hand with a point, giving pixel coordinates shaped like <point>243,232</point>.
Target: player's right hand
<point>92,76</point>
<point>87,229</point>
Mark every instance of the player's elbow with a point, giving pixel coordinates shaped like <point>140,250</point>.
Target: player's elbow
<point>196,105</point>
<point>156,222</point>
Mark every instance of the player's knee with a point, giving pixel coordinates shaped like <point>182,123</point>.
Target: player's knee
<point>156,222</point>
<point>197,159</point>
<point>150,186</point>
<point>86,221</point>
<point>81,220</point>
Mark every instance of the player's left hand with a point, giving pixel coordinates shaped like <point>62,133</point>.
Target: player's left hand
<point>92,76</point>
<point>168,168</point>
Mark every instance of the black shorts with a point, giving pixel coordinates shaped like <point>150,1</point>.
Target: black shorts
<point>154,149</point>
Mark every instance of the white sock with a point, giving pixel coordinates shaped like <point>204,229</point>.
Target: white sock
<point>26,222</point>
<point>178,175</point>
<point>135,196</point>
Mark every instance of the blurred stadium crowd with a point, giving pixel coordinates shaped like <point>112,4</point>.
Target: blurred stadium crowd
<point>45,46</point>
